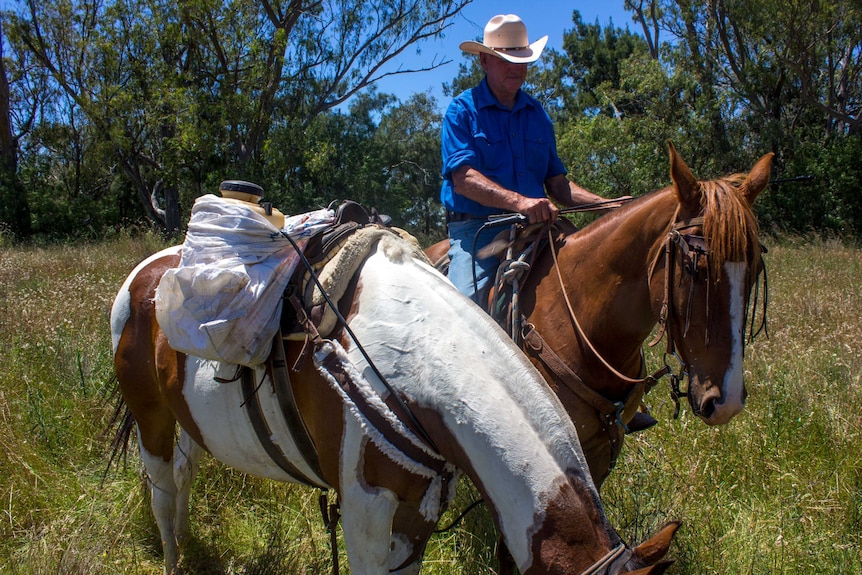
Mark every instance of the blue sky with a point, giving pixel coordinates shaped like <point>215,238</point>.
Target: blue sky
<point>551,17</point>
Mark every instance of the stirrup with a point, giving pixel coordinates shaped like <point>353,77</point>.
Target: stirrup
<point>640,422</point>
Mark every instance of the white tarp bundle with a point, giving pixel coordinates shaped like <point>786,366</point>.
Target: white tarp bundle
<point>223,302</point>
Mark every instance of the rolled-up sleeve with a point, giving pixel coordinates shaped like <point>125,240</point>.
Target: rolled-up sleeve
<point>458,146</point>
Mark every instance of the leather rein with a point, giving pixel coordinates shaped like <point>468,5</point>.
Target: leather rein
<point>692,248</point>
<point>610,411</point>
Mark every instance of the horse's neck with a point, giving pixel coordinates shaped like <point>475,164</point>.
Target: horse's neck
<point>488,410</point>
<point>605,269</point>
<point>604,273</point>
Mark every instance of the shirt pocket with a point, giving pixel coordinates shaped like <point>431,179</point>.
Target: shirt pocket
<point>491,153</point>
<point>538,152</point>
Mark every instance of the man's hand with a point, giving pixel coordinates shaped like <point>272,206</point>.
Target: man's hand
<point>538,209</point>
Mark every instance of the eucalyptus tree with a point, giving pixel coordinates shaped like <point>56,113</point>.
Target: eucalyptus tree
<point>189,92</point>
<point>592,58</point>
<point>409,135</point>
<point>781,76</point>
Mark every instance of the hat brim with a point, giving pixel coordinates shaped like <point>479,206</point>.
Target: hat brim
<point>529,54</point>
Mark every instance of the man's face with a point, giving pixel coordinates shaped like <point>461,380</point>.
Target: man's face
<point>504,78</point>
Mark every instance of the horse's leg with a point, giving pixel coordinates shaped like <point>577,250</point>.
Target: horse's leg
<point>163,493</point>
<point>187,456</point>
<point>367,512</point>
<point>410,534</point>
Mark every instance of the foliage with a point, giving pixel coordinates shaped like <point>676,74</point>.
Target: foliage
<point>169,99</point>
<point>119,112</point>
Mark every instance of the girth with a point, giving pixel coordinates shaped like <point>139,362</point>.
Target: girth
<point>280,381</point>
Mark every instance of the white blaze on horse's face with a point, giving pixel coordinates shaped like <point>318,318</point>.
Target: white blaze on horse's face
<point>733,387</point>
<point>716,402</point>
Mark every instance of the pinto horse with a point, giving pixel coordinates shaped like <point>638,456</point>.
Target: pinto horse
<point>482,407</point>
<point>686,257</point>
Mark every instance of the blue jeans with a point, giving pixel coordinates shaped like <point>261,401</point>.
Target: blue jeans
<point>461,262</point>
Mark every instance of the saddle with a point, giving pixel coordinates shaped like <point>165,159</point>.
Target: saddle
<point>531,241</point>
<point>333,256</point>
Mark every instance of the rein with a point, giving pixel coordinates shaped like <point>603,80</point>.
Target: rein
<point>612,411</point>
<point>615,558</point>
<point>649,381</point>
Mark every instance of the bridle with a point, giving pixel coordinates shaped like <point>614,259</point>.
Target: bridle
<point>612,562</point>
<point>692,248</point>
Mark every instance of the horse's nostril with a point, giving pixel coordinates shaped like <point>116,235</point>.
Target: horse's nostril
<point>707,408</point>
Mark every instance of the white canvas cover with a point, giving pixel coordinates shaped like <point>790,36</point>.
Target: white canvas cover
<point>223,301</point>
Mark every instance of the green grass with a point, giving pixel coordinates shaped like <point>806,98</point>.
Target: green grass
<point>778,490</point>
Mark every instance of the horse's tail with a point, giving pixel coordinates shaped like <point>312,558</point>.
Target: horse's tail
<point>120,427</point>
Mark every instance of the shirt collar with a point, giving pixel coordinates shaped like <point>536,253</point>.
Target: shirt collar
<point>485,98</point>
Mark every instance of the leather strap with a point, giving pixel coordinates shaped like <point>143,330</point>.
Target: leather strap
<point>334,366</point>
<point>287,403</point>
<point>264,433</point>
<point>610,413</point>
<point>600,403</point>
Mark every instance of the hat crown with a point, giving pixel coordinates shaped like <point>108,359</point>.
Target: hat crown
<point>506,38</point>
<point>506,31</point>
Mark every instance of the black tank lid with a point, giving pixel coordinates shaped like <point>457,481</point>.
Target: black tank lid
<point>241,186</point>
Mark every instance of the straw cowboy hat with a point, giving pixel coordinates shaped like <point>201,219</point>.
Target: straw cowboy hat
<point>506,38</point>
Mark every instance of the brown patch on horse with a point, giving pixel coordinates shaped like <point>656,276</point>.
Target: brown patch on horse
<point>145,400</point>
<point>572,525</point>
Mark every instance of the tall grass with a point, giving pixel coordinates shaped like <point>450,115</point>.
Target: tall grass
<point>778,490</point>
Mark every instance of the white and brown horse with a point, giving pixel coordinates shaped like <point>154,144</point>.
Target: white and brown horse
<point>481,404</point>
<point>685,257</point>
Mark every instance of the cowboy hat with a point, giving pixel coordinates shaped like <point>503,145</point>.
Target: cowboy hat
<point>506,38</point>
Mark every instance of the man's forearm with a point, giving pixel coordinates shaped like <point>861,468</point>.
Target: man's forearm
<point>474,185</point>
<point>569,193</point>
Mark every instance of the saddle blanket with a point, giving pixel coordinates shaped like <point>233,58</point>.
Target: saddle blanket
<point>223,301</point>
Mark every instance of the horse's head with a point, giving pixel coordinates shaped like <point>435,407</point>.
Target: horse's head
<point>702,278</point>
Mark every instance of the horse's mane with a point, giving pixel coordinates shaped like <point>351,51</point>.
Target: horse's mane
<point>730,227</point>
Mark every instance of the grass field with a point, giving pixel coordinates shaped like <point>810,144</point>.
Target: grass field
<point>778,490</point>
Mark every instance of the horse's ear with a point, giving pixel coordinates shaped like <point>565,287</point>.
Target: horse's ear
<point>655,548</point>
<point>684,181</point>
<point>757,178</point>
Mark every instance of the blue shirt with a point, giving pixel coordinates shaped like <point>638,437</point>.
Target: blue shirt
<point>515,148</point>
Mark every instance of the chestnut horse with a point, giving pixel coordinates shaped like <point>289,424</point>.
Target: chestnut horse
<point>686,257</point>
<point>478,405</point>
